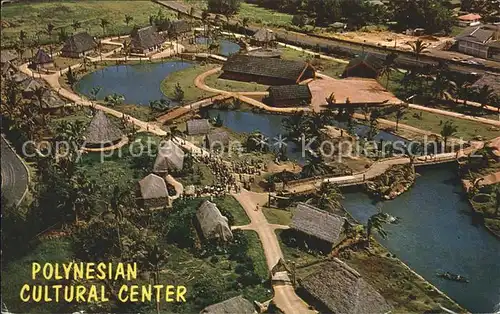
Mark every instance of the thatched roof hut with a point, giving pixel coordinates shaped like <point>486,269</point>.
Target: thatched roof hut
<point>234,305</point>
<point>367,65</point>
<point>341,289</point>
<point>30,85</point>
<point>489,79</point>
<point>51,100</point>
<point>153,186</point>
<point>102,132</point>
<point>267,71</point>
<point>179,27</point>
<point>212,224</point>
<point>317,223</point>
<point>7,56</point>
<point>170,158</point>
<point>78,45</point>
<point>218,138</point>
<point>264,35</point>
<point>198,126</point>
<point>286,95</point>
<point>145,39</point>
<point>42,58</point>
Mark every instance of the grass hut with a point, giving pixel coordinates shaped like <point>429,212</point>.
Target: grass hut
<point>218,140</point>
<point>263,37</point>
<point>170,158</point>
<point>145,40</point>
<point>289,95</point>
<point>42,60</point>
<point>153,191</point>
<point>338,288</point>
<point>237,304</point>
<point>51,101</point>
<point>7,56</point>
<point>101,132</point>
<point>29,86</point>
<point>78,45</point>
<point>266,71</point>
<point>367,66</point>
<point>320,229</point>
<point>180,29</point>
<point>8,69</point>
<point>212,224</point>
<point>198,127</point>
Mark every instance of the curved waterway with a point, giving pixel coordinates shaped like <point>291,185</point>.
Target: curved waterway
<point>437,233</point>
<point>138,83</point>
<point>226,47</point>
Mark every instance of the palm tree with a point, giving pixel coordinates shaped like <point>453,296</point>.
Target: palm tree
<point>388,67</point>
<point>62,35</point>
<point>418,47</point>
<point>76,25</point>
<point>449,129</point>
<point>315,165</point>
<point>128,19</point>
<point>94,92</point>
<point>39,92</point>
<point>116,203</point>
<point>328,197</point>
<point>104,23</point>
<point>154,258</point>
<point>374,116</point>
<point>20,49</point>
<point>366,111</point>
<point>114,100</point>
<point>50,29</point>
<point>497,202</point>
<point>22,36</point>
<point>400,113</point>
<point>258,141</point>
<point>244,23</point>
<point>485,95</point>
<point>376,223</point>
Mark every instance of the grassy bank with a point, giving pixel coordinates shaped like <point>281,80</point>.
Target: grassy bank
<point>185,78</point>
<point>260,15</point>
<point>33,18</point>
<point>234,86</point>
<point>277,216</point>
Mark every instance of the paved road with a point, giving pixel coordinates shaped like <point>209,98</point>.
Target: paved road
<point>14,175</point>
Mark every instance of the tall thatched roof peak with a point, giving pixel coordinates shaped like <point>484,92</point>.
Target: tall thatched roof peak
<point>170,157</point>
<point>153,186</point>
<point>212,223</point>
<point>341,289</point>
<point>234,305</point>
<point>42,57</point>
<point>102,131</point>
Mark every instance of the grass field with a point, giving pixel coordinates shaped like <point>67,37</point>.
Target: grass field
<point>277,216</point>
<point>230,204</point>
<point>234,86</point>
<point>264,16</point>
<point>34,17</point>
<point>433,122</point>
<point>186,79</point>
<point>328,67</point>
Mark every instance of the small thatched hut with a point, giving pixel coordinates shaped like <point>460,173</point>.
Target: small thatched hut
<point>7,56</point>
<point>367,66</point>
<point>198,126</point>
<point>145,40</point>
<point>78,45</point>
<point>42,60</point>
<point>29,86</point>
<point>212,224</point>
<point>180,29</point>
<point>170,158</point>
<point>289,95</point>
<point>153,191</point>
<point>319,228</point>
<point>263,36</point>
<point>218,140</point>
<point>51,101</point>
<point>234,305</point>
<point>340,289</point>
<point>101,132</point>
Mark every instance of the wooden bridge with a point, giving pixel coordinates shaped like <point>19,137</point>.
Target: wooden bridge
<point>196,105</point>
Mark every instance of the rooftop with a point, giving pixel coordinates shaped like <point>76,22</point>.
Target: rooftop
<point>318,223</point>
<point>212,223</point>
<point>145,38</point>
<point>170,157</point>
<point>78,43</point>
<point>101,130</point>
<point>290,92</point>
<point>234,305</point>
<point>469,17</point>
<point>153,186</point>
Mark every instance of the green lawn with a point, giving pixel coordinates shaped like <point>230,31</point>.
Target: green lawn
<point>433,122</point>
<point>230,204</point>
<point>256,253</point>
<point>205,178</point>
<point>17,273</point>
<point>277,216</point>
<point>34,17</point>
<point>297,255</point>
<point>234,86</point>
<point>328,67</point>
<point>141,112</point>
<point>185,78</point>
<point>264,16</point>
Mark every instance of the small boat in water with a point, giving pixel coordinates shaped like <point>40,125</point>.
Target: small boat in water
<point>453,277</point>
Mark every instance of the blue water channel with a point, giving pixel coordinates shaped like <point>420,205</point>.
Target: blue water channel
<point>138,83</point>
<point>226,47</point>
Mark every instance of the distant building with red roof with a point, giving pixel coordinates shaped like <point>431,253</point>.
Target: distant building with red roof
<point>470,19</point>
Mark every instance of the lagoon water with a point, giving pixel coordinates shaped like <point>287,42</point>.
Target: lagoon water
<point>138,83</point>
<point>437,233</point>
<point>226,47</point>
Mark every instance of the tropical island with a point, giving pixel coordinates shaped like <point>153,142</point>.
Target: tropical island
<point>264,160</point>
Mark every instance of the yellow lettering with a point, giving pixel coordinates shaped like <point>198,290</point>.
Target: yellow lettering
<point>25,289</point>
<point>104,298</point>
<point>147,293</point>
<point>57,289</point>
<point>37,293</point>
<point>48,271</point>
<point>120,271</point>
<point>89,275</point>
<point>57,275</point>
<point>46,296</point>
<point>134,293</point>
<point>170,291</point>
<point>92,294</point>
<point>101,271</point>
<point>80,294</point>
<point>123,288</point>
<point>35,269</point>
<point>78,271</point>
<point>69,293</point>
<point>181,291</point>
<point>132,271</point>
<point>67,269</point>
<point>158,292</point>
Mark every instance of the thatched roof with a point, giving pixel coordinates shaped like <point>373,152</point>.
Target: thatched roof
<point>102,131</point>
<point>368,60</point>
<point>212,223</point>
<point>41,57</point>
<point>170,157</point>
<point>19,77</point>
<point>238,305</point>
<point>153,186</point>
<point>7,56</point>
<point>145,38</point>
<point>342,290</point>
<point>265,53</point>
<point>79,43</point>
<point>179,27</point>
<point>264,35</point>
<point>490,79</point>
<point>290,92</point>
<point>31,84</point>
<point>266,67</point>
<point>8,68</point>
<point>478,34</point>
<point>198,126</point>
<point>218,138</point>
<point>51,99</point>
<point>318,223</point>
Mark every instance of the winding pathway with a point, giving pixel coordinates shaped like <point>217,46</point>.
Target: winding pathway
<point>15,175</point>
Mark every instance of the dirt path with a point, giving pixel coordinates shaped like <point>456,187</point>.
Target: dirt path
<point>284,295</point>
